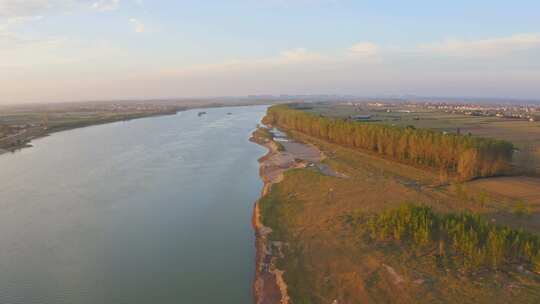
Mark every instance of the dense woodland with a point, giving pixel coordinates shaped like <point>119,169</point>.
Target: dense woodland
<point>464,240</point>
<point>467,156</point>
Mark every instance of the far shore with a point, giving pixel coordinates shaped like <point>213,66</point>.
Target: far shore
<point>23,139</point>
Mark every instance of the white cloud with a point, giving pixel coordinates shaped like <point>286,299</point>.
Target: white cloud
<point>363,68</point>
<point>484,47</point>
<point>138,26</point>
<point>106,5</point>
<point>366,49</point>
<point>14,21</point>
<point>10,39</point>
<point>14,8</point>
<point>33,55</point>
<point>299,3</point>
<point>28,8</point>
<point>300,55</point>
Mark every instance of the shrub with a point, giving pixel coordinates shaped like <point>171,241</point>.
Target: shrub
<point>467,238</point>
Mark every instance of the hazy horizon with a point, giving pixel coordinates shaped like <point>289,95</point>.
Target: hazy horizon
<point>293,98</point>
<point>77,50</point>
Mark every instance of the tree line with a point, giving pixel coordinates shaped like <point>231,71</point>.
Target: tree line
<point>467,156</point>
<point>465,240</point>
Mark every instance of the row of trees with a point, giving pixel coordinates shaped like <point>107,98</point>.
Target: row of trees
<point>469,157</point>
<point>464,239</point>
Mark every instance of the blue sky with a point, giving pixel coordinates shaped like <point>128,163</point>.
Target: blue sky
<point>61,50</point>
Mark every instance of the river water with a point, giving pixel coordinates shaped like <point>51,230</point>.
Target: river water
<point>154,210</point>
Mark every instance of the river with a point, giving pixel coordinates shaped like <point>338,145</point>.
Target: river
<point>153,210</point>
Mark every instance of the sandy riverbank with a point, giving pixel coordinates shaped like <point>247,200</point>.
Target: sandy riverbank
<point>269,286</point>
<point>266,288</point>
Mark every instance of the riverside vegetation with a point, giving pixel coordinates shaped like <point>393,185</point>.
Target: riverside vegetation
<point>465,239</point>
<point>353,240</point>
<point>469,157</point>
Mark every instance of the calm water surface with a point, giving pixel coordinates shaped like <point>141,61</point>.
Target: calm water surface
<point>154,210</point>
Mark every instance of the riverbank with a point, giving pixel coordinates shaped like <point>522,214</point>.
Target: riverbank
<point>283,155</point>
<point>327,256</point>
<point>266,288</point>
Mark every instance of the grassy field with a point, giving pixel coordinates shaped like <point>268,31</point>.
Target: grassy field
<point>329,257</point>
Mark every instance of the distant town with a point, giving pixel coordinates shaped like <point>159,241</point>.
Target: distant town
<point>524,112</point>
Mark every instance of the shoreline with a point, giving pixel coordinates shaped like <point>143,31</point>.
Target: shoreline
<point>269,285</point>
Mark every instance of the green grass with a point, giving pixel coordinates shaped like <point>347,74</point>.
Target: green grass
<point>463,239</point>
<point>279,213</point>
<point>262,132</point>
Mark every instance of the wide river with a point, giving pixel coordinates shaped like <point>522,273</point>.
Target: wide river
<point>154,210</point>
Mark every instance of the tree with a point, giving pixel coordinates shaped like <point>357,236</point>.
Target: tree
<point>469,157</point>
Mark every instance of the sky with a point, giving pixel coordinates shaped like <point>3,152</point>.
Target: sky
<point>70,50</point>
